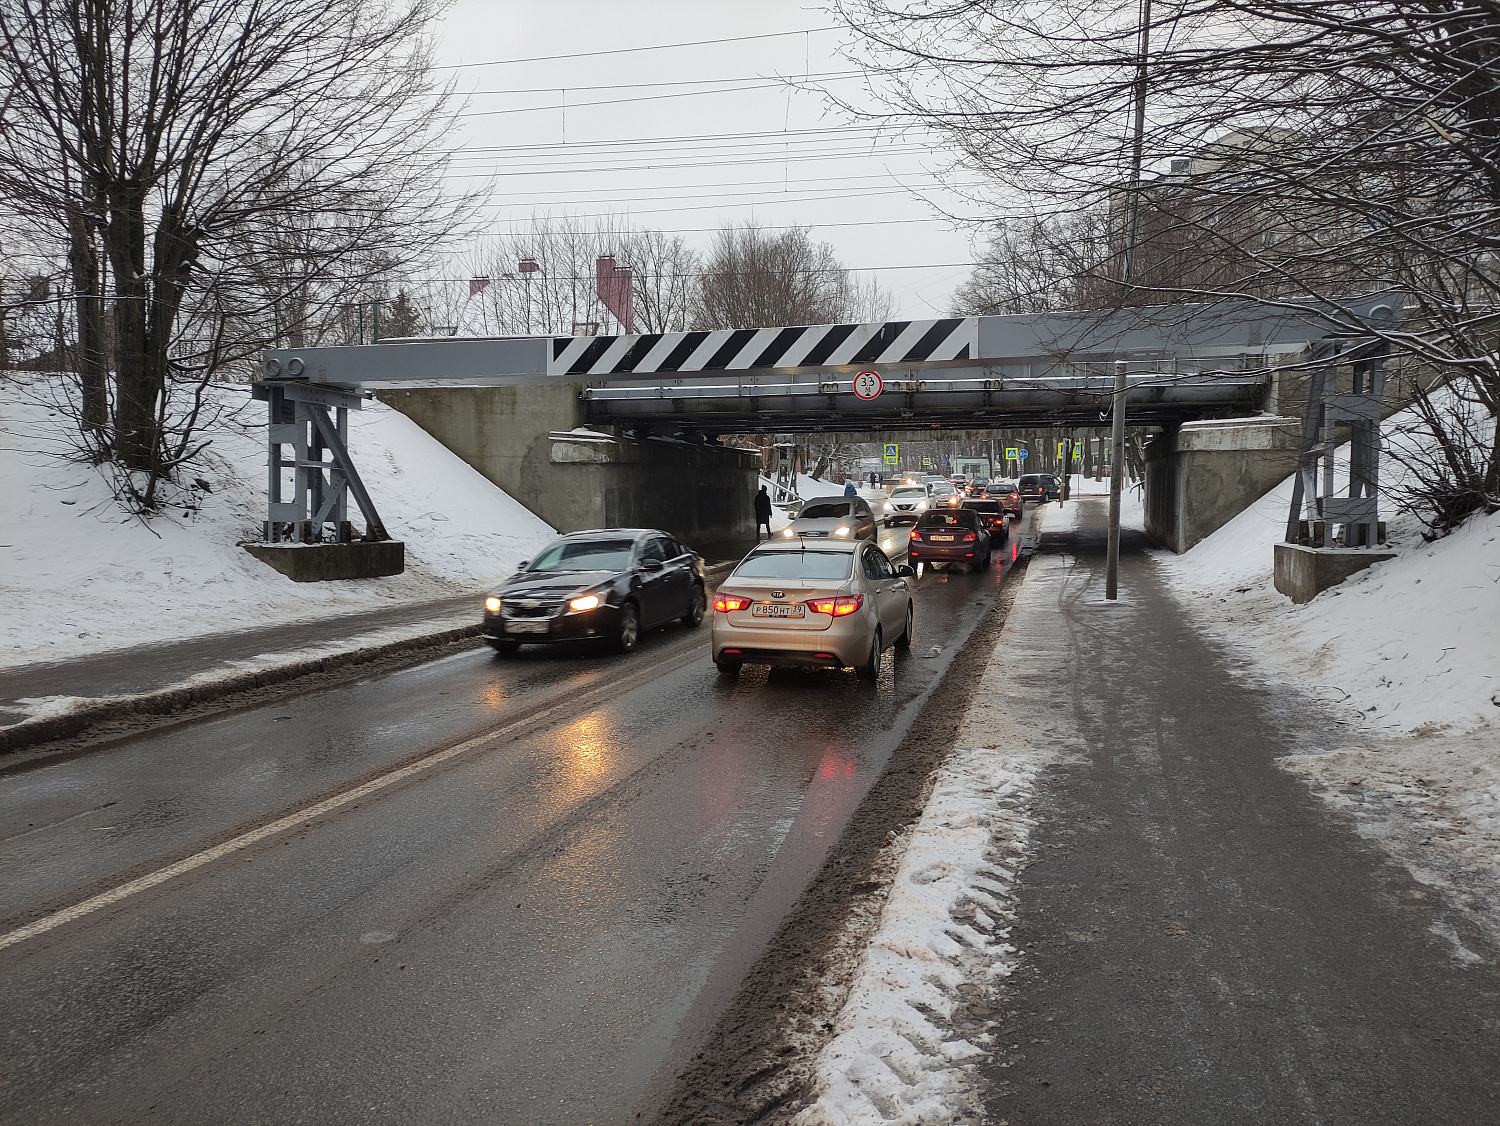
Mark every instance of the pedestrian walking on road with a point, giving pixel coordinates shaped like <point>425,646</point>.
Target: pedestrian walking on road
<point>762,513</point>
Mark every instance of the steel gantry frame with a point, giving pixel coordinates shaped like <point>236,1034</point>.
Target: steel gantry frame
<point>1181,362</point>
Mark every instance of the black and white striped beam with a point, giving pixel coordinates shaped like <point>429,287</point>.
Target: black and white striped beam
<point>815,346</point>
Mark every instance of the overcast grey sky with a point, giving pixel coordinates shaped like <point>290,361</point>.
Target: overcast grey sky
<point>688,138</point>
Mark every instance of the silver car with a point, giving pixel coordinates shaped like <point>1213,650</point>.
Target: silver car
<point>838,604</point>
<point>833,518</point>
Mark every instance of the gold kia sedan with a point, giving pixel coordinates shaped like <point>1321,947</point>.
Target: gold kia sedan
<point>829,604</point>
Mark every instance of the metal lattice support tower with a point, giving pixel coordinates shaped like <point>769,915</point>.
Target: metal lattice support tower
<point>1314,500</point>
<point>322,472</point>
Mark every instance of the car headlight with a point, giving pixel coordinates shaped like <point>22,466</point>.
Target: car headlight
<point>492,604</point>
<point>788,532</point>
<point>583,602</point>
<point>888,507</point>
<point>841,531</point>
<point>921,506</point>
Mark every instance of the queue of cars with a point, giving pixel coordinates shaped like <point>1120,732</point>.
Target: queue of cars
<point>821,593</point>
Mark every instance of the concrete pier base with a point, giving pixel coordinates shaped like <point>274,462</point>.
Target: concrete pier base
<point>321,562</point>
<point>1303,572</point>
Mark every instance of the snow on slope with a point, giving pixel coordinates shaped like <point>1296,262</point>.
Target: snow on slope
<point>77,575</point>
<point>1412,644</point>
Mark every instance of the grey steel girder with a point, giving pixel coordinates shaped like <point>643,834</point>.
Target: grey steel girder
<point>1226,336</point>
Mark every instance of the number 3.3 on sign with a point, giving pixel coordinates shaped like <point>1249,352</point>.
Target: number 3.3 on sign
<point>868,385</point>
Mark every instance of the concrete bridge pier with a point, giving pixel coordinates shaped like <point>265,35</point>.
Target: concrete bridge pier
<point>1200,475</point>
<point>528,441</point>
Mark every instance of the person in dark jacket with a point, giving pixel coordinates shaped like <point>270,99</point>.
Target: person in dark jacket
<point>849,489</point>
<point>762,513</point>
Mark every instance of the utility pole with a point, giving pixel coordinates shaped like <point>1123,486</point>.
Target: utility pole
<point>1132,222</point>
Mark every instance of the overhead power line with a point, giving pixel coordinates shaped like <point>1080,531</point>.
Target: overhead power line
<point>638,50</point>
<point>778,198</point>
<point>711,138</point>
<point>740,162</point>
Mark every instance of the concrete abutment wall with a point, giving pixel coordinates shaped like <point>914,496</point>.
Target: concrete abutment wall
<point>522,439</point>
<point>1203,474</point>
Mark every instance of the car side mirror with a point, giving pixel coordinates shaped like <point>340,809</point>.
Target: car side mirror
<point>521,566</point>
<point>653,564</point>
<point>906,571</point>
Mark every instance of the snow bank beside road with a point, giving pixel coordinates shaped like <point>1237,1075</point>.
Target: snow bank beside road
<point>918,1015</point>
<point>78,576</point>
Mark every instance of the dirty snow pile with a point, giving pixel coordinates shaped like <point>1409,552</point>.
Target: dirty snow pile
<point>916,1019</point>
<point>79,576</point>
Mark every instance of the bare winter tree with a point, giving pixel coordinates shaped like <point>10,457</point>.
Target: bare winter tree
<point>178,146</point>
<point>1033,265</point>
<point>753,278</point>
<point>541,279</point>
<point>1292,150</point>
<point>665,280</point>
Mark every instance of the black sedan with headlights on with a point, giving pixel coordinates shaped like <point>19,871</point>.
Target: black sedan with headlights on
<point>608,584</point>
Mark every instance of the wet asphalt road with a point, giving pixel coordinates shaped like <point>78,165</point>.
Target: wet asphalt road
<point>1203,941</point>
<point>524,933</point>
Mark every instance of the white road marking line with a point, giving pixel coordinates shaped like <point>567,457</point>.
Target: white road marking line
<point>291,821</point>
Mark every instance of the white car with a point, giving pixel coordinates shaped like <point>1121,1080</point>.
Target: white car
<point>833,518</point>
<point>839,604</point>
<point>907,504</point>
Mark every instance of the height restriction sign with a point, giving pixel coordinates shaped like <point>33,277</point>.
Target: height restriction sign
<point>868,385</point>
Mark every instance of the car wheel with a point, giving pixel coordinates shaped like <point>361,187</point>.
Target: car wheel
<point>904,641</point>
<point>697,606</point>
<point>629,631</point>
<point>505,648</point>
<point>728,668</point>
<point>871,668</point>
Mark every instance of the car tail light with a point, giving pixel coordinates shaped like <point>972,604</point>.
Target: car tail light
<point>970,536</point>
<point>724,603</point>
<point>916,536</point>
<point>1015,496</point>
<point>838,607</point>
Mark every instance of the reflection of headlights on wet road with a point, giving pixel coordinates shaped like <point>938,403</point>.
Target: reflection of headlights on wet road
<point>492,604</point>
<point>583,602</point>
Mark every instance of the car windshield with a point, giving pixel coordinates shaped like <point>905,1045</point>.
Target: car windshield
<point>584,555</point>
<point>794,565</point>
<point>825,510</point>
<point>909,492</point>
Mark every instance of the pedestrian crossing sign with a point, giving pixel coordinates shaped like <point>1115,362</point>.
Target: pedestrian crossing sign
<point>892,453</point>
<point>1012,453</point>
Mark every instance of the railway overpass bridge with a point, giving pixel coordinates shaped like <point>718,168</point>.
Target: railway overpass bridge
<point>602,430</point>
